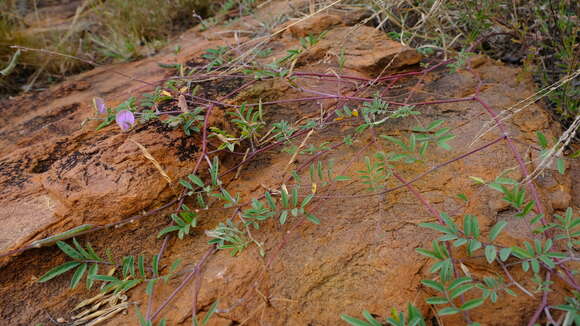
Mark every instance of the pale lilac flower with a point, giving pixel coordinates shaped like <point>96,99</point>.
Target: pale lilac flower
<point>100,105</point>
<point>125,119</point>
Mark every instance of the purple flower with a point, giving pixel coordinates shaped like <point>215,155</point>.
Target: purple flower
<point>125,119</point>
<point>100,105</point>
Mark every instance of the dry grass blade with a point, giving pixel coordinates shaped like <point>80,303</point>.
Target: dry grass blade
<point>154,161</point>
<point>11,64</point>
<point>297,151</point>
<point>87,302</point>
<point>240,168</point>
<point>103,315</point>
<point>182,103</point>
<point>104,307</point>
<point>94,308</point>
<point>556,150</point>
<point>82,315</point>
<point>509,112</point>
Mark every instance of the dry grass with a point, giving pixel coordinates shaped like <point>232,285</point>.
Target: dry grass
<point>540,35</point>
<point>95,30</point>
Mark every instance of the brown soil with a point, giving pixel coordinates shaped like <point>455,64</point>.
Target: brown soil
<point>55,175</point>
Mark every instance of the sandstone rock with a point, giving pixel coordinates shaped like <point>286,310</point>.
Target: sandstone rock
<point>560,199</point>
<point>364,49</point>
<point>55,175</point>
<point>315,25</point>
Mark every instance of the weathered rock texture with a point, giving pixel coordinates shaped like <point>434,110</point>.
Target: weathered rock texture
<point>55,174</point>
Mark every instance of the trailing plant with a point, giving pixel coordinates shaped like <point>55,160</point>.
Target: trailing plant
<point>85,261</point>
<point>184,220</point>
<point>376,172</point>
<point>412,318</point>
<point>414,149</point>
<point>249,122</point>
<point>217,57</point>
<point>305,43</point>
<point>455,293</point>
<point>228,236</point>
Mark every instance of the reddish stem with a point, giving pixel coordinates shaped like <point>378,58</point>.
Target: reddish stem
<point>210,251</point>
<point>542,304</point>
<point>538,205</point>
<point>436,214</point>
